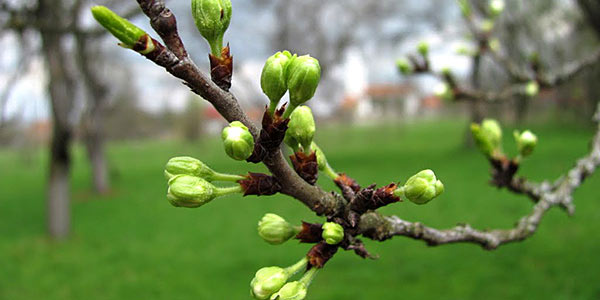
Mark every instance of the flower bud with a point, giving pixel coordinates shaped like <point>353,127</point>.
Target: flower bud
<point>444,91</point>
<point>267,281</point>
<point>273,78</point>
<point>302,126</point>
<point>274,229</point>
<point>404,66</point>
<point>423,48</point>
<point>294,290</point>
<point>526,142</point>
<point>238,141</point>
<point>496,7</point>
<point>212,19</point>
<point>190,191</point>
<point>488,136</point>
<point>303,76</point>
<point>189,166</point>
<point>421,188</point>
<point>532,89</point>
<point>465,7</point>
<point>333,233</point>
<point>487,25</point>
<point>494,45</point>
<point>463,49</point>
<point>122,29</point>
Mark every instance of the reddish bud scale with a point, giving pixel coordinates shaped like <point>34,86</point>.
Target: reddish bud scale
<point>260,185</point>
<point>320,253</point>
<point>371,199</point>
<point>359,248</point>
<point>221,68</point>
<point>503,171</point>
<point>344,180</point>
<point>310,233</point>
<point>306,166</point>
<point>271,135</point>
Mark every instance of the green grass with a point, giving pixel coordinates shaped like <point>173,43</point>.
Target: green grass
<point>134,245</point>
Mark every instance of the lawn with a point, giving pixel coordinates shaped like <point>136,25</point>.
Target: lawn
<point>133,245</point>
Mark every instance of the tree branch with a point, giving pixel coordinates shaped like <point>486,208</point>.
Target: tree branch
<point>176,61</point>
<point>378,227</point>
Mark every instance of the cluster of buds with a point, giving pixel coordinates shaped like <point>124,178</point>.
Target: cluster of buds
<point>272,282</point>
<point>488,137</point>
<point>190,184</point>
<point>298,74</point>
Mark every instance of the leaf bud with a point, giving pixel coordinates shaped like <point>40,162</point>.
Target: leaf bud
<point>122,29</point>
<point>303,76</point>
<point>238,141</point>
<point>526,142</point>
<point>302,126</point>
<point>488,136</point>
<point>273,78</point>
<point>487,25</point>
<point>421,188</point>
<point>212,19</point>
<point>333,233</point>
<point>274,229</point>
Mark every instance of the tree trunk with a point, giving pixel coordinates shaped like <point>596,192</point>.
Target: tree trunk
<point>61,89</point>
<point>93,119</point>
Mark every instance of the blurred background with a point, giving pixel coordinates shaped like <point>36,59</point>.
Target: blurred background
<point>86,128</point>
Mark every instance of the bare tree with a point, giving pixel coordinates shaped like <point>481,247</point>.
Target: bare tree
<point>55,22</point>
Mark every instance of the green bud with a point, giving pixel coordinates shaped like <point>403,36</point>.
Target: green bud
<point>333,233</point>
<point>294,290</point>
<point>532,89</point>
<point>238,141</point>
<point>526,142</point>
<point>463,49</point>
<point>190,191</point>
<point>444,91</point>
<point>273,78</point>
<point>268,281</point>
<point>122,29</point>
<point>303,76</point>
<point>404,66</point>
<point>302,126</point>
<point>423,48</point>
<point>487,25</point>
<point>496,7</point>
<point>274,229</point>
<point>212,18</point>
<point>465,7</point>
<point>494,44</point>
<point>421,188</point>
<point>488,136</point>
<point>189,166</point>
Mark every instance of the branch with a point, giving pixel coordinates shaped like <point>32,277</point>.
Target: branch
<point>378,227</point>
<point>175,60</point>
